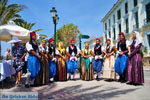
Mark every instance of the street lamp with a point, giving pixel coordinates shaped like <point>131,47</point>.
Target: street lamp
<point>55,21</point>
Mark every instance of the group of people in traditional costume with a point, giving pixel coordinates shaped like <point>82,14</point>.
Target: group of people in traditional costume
<point>48,64</point>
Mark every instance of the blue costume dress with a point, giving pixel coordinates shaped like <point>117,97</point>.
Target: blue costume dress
<point>121,61</point>
<point>72,64</point>
<point>97,63</point>
<point>18,52</point>
<point>33,62</point>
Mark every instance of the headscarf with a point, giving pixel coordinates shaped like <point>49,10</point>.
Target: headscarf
<point>122,33</point>
<point>85,48</point>
<point>139,40</point>
<point>60,49</point>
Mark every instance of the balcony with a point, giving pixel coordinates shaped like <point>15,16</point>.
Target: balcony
<point>136,26</point>
<point>146,21</point>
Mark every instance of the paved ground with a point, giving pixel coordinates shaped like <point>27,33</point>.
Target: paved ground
<point>88,90</point>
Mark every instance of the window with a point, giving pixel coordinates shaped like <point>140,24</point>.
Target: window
<point>126,8</point>
<point>109,34</point>
<point>148,12</point>
<point>136,20</point>
<point>105,36</point>
<point>105,26</point>
<point>109,23</point>
<point>148,36</point>
<point>119,28</point>
<point>135,3</point>
<point>119,14</point>
<point>114,33</point>
<point>114,19</point>
<point>127,26</point>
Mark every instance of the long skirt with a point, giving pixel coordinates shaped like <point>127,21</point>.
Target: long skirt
<point>72,66</point>
<point>121,64</point>
<point>33,66</point>
<point>87,72</point>
<point>97,65</point>
<point>43,75</point>
<point>135,69</point>
<point>61,70</point>
<point>109,71</point>
<point>52,69</point>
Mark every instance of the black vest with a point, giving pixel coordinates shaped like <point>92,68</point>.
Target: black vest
<point>51,50</point>
<point>122,46</point>
<point>97,50</point>
<point>73,50</point>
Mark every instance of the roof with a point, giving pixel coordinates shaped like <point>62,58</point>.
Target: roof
<point>115,5</point>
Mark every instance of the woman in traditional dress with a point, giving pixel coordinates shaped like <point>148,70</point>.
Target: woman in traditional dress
<point>34,57</point>
<point>43,75</point>
<point>18,55</point>
<point>123,47</point>
<point>61,69</point>
<point>135,73</point>
<point>109,72</point>
<point>87,72</point>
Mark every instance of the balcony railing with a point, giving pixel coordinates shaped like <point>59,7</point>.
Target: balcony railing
<point>136,26</point>
<point>146,21</point>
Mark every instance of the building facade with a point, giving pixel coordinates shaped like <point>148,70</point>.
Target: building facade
<point>128,16</point>
<point>92,42</point>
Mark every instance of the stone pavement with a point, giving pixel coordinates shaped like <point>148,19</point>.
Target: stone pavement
<point>88,90</point>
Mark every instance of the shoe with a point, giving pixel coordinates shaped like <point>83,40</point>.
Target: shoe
<point>69,78</point>
<point>96,77</point>
<point>130,83</point>
<point>26,85</point>
<point>32,85</point>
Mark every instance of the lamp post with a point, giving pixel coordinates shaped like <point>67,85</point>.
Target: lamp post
<point>55,21</point>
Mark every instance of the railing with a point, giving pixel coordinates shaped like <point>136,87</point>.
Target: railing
<point>136,26</point>
<point>146,21</point>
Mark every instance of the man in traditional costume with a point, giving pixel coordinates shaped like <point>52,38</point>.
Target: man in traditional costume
<point>123,47</point>
<point>72,63</point>
<point>98,60</point>
<point>33,60</point>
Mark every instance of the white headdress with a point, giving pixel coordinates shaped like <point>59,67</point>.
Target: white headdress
<point>139,40</point>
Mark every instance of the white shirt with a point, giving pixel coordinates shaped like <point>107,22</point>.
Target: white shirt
<point>43,49</point>
<point>73,54</point>
<point>56,51</point>
<point>29,47</point>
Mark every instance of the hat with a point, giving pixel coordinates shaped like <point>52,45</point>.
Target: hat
<point>14,40</point>
<point>121,33</point>
<point>32,33</point>
<point>72,40</point>
<point>51,39</point>
<point>98,39</point>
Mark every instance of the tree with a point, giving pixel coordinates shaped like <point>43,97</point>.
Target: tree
<point>9,12</point>
<point>66,32</point>
<point>25,24</point>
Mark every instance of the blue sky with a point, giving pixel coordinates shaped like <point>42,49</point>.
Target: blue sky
<point>86,14</point>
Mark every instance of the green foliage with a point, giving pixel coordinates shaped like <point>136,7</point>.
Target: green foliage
<point>9,12</point>
<point>145,50</point>
<point>66,32</point>
<point>26,25</point>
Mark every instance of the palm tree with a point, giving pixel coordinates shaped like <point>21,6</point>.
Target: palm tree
<point>25,24</point>
<point>9,12</point>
